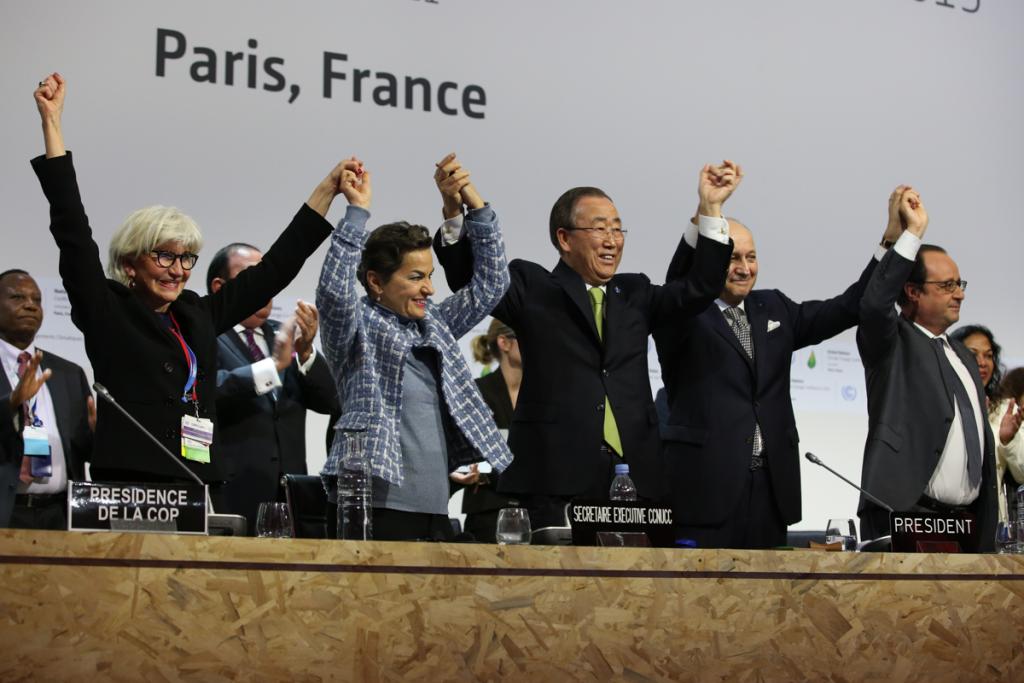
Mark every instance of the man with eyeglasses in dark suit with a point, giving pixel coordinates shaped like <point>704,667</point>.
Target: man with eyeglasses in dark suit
<point>929,446</point>
<point>585,401</point>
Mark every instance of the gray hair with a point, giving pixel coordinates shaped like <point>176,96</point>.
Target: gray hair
<point>144,230</point>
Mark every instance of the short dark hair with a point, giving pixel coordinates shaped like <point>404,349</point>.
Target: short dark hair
<point>918,273</point>
<point>387,246</point>
<point>962,333</point>
<point>219,263</point>
<point>565,206</point>
<point>13,271</point>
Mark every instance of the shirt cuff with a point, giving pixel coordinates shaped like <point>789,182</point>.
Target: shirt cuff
<point>451,230</point>
<point>304,367</point>
<point>691,234</point>
<point>713,228</point>
<point>264,376</point>
<point>907,245</point>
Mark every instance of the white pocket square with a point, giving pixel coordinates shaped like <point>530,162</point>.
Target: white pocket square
<point>774,325</point>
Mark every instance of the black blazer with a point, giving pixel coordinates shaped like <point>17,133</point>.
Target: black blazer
<point>263,437</point>
<point>132,352</point>
<point>10,458</point>
<point>485,497</point>
<point>558,423</point>
<point>69,391</point>
<point>910,409</point>
<point>716,393</point>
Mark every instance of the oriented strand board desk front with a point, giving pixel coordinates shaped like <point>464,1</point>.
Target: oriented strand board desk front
<point>163,608</point>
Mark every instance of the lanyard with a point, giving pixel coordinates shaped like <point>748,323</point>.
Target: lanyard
<point>190,361</point>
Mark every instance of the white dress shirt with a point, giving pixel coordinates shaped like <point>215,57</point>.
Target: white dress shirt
<point>264,372</point>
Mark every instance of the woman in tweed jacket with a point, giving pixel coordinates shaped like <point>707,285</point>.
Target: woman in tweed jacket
<point>409,403</point>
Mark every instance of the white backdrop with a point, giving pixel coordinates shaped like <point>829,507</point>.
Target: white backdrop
<point>828,105</point>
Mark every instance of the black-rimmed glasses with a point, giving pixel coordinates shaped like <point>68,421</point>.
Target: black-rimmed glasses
<point>166,259</point>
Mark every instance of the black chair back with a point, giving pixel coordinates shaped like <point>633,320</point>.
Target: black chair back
<point>307,503</point>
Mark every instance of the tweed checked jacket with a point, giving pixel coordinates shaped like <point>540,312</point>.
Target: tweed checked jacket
<point>367,346</point>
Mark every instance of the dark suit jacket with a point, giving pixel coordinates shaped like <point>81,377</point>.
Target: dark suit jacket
<point>485,497</point>
<point>910,409</point>
<point>558,423</point>
<point>263,437</point>
<point>716,393</point>
<point>10,459</point>
<point>132,352</point>
<point>69,391</point>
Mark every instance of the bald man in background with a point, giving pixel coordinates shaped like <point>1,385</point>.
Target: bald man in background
<point>263,392</point>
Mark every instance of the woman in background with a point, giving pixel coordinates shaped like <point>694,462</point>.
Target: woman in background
<point>481,501</point>
<point>1002,398</point>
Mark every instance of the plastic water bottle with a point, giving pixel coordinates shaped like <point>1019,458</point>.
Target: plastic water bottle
<point>623,487</point>
<point>355,500</point>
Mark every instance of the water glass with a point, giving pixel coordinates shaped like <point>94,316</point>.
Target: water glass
<point>274,521</point>
<point>841,531</point>
<point>513,527</point>
<point>1006,537</point>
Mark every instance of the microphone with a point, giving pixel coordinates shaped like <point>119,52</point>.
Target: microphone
<point>102,391</point>
<point>817,461</point>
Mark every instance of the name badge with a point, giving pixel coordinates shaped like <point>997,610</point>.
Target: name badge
<point>37,442</point>
<point>196,437</point>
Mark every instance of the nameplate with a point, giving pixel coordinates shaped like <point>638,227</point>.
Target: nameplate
<point>934,532</point>
<point>588,517</point>
<point>137,507</point>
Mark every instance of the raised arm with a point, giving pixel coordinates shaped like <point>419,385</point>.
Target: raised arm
<point>878,316</point>
<point>715,185</point>
<point>699,266</point>
<point>470,304</point>
<point>338,293</point>
<point>80,267</point>
<point>254,286</point>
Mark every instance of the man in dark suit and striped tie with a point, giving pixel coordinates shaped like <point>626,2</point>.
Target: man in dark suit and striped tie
<point>263,392</point>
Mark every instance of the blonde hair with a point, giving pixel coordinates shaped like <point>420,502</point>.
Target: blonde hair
<point>144,230</point>
<point>485,346</point>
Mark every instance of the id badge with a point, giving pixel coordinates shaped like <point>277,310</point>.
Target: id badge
<point>196,437</point>
<point>37,447</point>
<point>37,442</point>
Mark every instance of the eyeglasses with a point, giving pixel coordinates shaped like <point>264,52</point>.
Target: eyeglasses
<point>166,259</point>
<point>948,286</point>
<point>617,234</point>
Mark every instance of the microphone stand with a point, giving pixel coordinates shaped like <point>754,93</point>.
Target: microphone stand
<point>102,391</point>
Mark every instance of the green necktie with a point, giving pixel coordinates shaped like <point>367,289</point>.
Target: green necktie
<point>611,430</point>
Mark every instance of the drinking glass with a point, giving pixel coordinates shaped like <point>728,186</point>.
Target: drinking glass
<point>274,521</point>
<point>1006,537</point>
<point>513,527</point>
<point>841,531</point>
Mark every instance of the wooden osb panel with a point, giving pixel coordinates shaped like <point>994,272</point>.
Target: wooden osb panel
<point>281,611</point>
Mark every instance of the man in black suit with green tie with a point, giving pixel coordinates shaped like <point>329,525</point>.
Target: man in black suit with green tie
<point>585,401</point>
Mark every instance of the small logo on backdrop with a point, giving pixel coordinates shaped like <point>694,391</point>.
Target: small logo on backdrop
<point>849,392</point>
<point>812,361</point>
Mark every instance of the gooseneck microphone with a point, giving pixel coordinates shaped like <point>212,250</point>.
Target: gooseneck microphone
<point>817,461</point>
<point>102,391</point>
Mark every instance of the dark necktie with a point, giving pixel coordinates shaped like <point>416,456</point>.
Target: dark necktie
<point>741,328</point>
<point>967,416</point>
<point>23,360</point>
<point>25,475</point>
<point>254,349</point>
